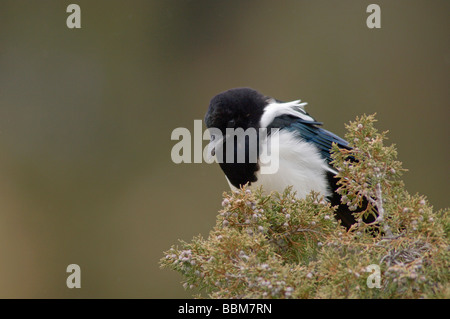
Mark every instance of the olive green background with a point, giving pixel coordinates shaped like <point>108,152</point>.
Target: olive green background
<point>86,117</point>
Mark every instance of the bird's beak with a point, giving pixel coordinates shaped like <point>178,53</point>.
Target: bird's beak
<point>212,149</point>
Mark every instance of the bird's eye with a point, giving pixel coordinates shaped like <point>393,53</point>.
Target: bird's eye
<point>231,123</point>
<point>213,137</point>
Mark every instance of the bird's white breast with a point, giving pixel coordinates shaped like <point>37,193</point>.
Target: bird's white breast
<point>299,165</point>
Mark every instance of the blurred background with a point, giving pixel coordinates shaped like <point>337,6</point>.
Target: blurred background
<point>86,117</point>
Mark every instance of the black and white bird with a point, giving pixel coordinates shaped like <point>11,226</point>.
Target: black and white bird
<point>303,146</point>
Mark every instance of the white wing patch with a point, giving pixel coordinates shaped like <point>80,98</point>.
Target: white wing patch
<point>274,109</point>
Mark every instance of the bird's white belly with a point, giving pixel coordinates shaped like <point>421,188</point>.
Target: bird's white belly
<point>299,165</point>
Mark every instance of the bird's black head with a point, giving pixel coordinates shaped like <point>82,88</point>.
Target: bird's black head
<point>233,109</point>
<point>239,107</point>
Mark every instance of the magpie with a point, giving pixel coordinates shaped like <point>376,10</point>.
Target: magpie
<point>303,146</point>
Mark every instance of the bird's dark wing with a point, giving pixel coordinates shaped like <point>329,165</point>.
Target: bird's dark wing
<point>310,132</point>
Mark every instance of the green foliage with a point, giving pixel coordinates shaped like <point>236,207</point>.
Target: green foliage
<point>279,246</point>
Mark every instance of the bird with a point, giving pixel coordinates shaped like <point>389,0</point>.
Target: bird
<point>303,146</point>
